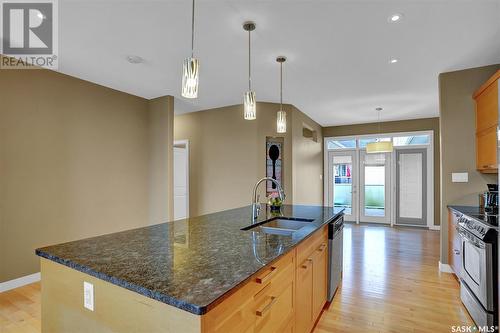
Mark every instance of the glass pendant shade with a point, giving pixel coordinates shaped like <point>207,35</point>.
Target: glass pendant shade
<point>379,147</point>
<point>281,122</point>
<point>190,77</point>
<point>249,107</point>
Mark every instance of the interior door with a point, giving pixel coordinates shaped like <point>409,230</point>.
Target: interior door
<point>411,187</point>
<point>180,183</point>
<point>342,182</point>
<point>375,178</point>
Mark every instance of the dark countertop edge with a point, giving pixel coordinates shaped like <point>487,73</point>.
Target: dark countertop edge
<point>194,309</point>
<point>125,284</point>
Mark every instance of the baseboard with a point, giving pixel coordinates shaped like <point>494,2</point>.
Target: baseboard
<point>435,227</point>
<point>22,281</point>
<point>445,268</point>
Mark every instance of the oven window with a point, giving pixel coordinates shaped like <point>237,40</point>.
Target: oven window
<point>472,261</point>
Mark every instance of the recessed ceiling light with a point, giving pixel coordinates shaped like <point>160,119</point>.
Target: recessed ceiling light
<point>393,61</point>
<point>133,59</point>
<point>395,17</point>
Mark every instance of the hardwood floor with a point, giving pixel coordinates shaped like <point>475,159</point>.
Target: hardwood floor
<point>391,283</point>
<point>20,310</point>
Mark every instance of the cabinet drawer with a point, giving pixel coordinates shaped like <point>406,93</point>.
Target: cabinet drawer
<point>274,305</point>
<point>307,248</point>
<point>237,313</point>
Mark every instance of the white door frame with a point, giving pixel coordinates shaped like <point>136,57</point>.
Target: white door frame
<point>387,218</point>
<point>185,144</point>
<point>430,169</point>
<point>355,181</point>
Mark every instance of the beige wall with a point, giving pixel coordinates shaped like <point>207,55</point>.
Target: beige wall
<point>74,163</point>
<point>227,156</point>
<point>307,161</point>
<point>161,177</point>
<point>394,127</point>
<point>458,152</point>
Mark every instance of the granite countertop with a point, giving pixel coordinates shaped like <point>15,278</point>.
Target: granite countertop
<point>191,264</point>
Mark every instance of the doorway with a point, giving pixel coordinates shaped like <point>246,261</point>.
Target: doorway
<point>375,180</point>
<point>181,179</point>
<point>393,188</point>
<point>411,187</point>
<point>343,182</point>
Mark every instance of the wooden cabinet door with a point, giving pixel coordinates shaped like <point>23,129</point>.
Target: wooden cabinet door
<point>319,279</point>
<point>454,243</point>
<point>487,108</point>
<point>304,299</point>
<point>486,150</point>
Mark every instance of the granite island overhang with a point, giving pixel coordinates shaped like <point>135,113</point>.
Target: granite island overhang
<point>192,264</point>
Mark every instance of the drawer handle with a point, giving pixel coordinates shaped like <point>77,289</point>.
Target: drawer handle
<point>307,262</point>
<point>457,252</point>
<point>321,248</point>
<point>261,313</point>
<point>266,277</point>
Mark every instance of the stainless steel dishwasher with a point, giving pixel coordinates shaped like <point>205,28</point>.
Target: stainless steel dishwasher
<point>335,253</point>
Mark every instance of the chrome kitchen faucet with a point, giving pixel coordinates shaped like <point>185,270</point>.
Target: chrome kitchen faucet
<point>256,203</point>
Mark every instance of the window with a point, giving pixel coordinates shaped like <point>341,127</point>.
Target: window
<point>342,144</point>
<point>424,139</point>
<point>364,142</point>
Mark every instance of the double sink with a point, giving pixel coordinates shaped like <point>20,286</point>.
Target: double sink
<point>280,225</point>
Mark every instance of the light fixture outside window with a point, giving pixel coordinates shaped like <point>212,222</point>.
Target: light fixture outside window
<point>190,69</point>
<point>281,115</point>
<point>249,102</point>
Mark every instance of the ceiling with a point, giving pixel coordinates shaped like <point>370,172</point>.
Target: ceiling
<point>338,52</point>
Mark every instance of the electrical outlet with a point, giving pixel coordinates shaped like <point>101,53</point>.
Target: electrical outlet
<point>88,295</point>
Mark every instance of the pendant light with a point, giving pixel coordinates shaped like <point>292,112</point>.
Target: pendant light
<point>190,69</point>
<point>281,115</point>
<point>249,103</point>
<point>379,146</point>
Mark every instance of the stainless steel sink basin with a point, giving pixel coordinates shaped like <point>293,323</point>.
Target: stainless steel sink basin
<point>281,225</point>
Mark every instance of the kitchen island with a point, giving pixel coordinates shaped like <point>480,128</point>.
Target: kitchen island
<point>202,274</point>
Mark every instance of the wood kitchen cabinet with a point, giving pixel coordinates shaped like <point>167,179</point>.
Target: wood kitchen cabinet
<point>454,242</point>
<point>312,260</point>
<point>288,296</point>
<point>487,109</point>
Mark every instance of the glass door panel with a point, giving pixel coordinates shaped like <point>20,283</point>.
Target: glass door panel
<point>375,189</point>
<point>342,182</point>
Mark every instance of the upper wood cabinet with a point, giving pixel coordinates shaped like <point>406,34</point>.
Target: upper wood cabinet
<point>487,109</point>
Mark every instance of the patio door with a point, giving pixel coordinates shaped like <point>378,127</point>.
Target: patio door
<point>375,194</point>
<point>342,182</point>
<point>411,186</point>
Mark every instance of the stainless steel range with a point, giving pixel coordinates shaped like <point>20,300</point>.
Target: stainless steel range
<point>478,277</point>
